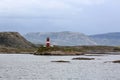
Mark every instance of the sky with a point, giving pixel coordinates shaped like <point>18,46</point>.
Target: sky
<point>84,16</point>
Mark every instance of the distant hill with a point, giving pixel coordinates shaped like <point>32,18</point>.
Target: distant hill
<point>64,38</point>
<point>14,40</point>
<point>112,39</point>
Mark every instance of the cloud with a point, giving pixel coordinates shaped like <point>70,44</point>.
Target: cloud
<point>30,6</point>
<point>77,15</point>
<point>85,2</point>
<point>43,7</point>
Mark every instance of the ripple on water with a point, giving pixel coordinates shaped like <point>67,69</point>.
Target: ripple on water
<point>30,67</point>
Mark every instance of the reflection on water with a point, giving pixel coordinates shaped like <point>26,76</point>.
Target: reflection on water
<point>30,67</point>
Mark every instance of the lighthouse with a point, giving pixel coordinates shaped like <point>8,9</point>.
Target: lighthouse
<point>47,42</point>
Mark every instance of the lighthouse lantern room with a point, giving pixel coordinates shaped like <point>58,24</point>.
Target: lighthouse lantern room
<point>47,42</point>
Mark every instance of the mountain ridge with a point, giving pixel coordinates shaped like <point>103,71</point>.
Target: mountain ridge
<point>75,38</point>
<point>64,38</point>
<point>110,39</point>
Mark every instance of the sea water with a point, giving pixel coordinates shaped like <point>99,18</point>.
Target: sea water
<point>32,67</point>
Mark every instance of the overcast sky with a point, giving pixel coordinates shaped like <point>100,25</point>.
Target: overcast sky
<point>85,16</point>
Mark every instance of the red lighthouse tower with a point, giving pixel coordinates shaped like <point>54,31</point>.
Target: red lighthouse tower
<point>47,42</point>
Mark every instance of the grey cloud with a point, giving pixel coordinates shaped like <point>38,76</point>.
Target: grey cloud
<point>42,7</point>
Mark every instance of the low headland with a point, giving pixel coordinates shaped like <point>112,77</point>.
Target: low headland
<point>62,50</point>
<point>77,50</point>
<point>13,42</point>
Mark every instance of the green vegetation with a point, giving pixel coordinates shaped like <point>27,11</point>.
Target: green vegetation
<point>17,50</point>
<point>75,50</point>
<point>13,42</point>
<point>62,50</point>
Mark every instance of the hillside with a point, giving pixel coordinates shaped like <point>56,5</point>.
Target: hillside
<point>65,38</point>
<point>112,39</point>
<point>14,40</point>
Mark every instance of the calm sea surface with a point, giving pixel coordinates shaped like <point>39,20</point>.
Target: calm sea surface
<point>31,67</point>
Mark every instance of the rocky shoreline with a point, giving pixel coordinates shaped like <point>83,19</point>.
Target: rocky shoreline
<point>77,50</point>
<point>74,50</point>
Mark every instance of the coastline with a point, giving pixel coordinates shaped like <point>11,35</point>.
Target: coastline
<point>62,50</point>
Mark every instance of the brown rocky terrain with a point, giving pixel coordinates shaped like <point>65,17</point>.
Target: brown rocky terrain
<point>14,42</point>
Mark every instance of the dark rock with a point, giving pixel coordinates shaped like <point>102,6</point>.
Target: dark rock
<point>61,61</point>
<point>117,61</point>
<point>80,58</point>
